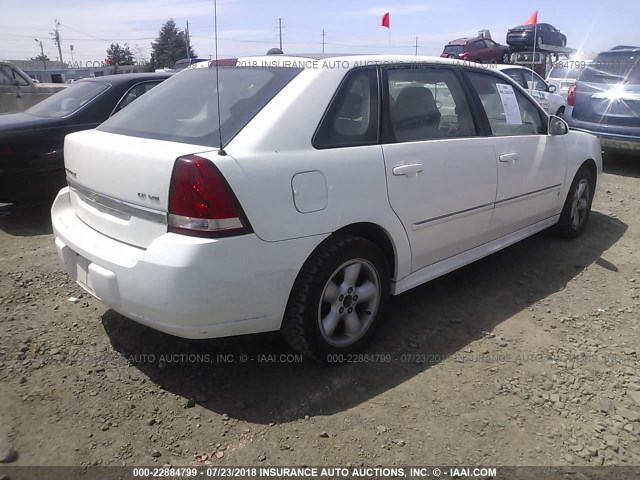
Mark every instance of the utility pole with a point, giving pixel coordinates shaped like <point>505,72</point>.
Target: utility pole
<point>44,62</point>
<point>188,41</point>
<point>56,39</point>
<point>323,42</point>
<point>416,45</point>
<point>280,30</point>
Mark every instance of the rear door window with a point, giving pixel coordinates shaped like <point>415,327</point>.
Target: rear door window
<point>426,103</point>
<point>516,75</point>
<point>185,108</point>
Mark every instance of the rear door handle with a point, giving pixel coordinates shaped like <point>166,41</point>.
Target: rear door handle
<point>408,169</point>
<point>509,157</point>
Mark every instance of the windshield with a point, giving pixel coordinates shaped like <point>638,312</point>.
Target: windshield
<point>69,100</point>
<point>454,49</point>
<point>185,108</point>
<point>614,67</point>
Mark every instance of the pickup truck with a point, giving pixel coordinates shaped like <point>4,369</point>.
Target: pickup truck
<point>19,92</point>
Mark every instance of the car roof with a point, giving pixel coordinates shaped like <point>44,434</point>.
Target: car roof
<point>464,40</point>
<point>127,77</point>
<point>618,48</point>
<point>355,60</point>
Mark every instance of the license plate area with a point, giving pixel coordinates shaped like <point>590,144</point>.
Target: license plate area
<point>82,272</point>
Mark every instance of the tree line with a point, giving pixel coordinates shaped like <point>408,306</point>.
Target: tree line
<point>169,47</point>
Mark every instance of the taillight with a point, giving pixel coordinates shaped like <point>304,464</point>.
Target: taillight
<point>201,203</point>
<point>571,95</point>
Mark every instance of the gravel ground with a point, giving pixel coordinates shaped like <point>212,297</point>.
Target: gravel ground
<point>528,357</point>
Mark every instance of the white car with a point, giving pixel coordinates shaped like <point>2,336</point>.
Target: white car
<point>565,73</point>
<point>332,184</point>
<point>553,103</point>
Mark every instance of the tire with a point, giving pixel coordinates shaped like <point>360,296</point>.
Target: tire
<point>505,58</point>
<point>323,305</point>
<point>577,207</point>
<point>560,112</point>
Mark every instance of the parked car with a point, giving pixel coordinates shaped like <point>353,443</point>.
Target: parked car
<point>321,193</point>
<point>545,34</point>
<point>605,100</point>
<point>476,49</point>
<point>31,142</point>
<point>564,73</point>
<point>18,91</point>
<point>552,103</point>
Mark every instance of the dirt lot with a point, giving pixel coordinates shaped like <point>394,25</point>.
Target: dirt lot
<point>529,357</point>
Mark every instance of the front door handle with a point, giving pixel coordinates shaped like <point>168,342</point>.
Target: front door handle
<point>509,157</point>
<point>408,169</point>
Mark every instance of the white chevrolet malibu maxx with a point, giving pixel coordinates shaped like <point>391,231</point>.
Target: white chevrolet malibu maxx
<point>296,194</point>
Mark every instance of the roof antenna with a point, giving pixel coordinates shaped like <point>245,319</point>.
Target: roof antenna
<point>215,27</point>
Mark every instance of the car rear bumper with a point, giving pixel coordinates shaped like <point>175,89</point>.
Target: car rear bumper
<point>185,286</point>
<point>611,139</point>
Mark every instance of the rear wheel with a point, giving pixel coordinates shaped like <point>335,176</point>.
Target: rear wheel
<point>338,298</point>
<point>577,206</point>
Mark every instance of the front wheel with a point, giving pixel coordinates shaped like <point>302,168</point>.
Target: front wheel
<point>577,206</point>
<point>338,298</point>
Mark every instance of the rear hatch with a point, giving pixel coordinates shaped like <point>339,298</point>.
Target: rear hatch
<point>120,184</point>
<point>608,91</point>
<point>120,174</point>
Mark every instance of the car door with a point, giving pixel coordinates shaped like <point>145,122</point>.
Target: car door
<point>539,90</point>
<point>531,164</point>
<point>494,52</point>
<point>441,176</point>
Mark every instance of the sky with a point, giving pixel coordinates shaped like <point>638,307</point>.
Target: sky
<point>248,27</point>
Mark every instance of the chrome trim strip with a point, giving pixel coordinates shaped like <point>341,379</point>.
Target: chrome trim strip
<point>116,207</point>
<point>535,193</point>
<point>481,208</point>
<point>449,216</point>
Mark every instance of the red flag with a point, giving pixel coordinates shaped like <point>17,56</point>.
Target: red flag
<point>386,21</point>
<point>532,20</point>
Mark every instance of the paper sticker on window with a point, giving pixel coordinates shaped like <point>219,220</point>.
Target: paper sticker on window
<point>510,104</point>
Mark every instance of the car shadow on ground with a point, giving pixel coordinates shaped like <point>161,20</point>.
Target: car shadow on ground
<point>622,165</point>
<point>437,319</point>
<point>25,220</point>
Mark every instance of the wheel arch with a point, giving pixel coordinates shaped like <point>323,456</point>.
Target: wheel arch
<point>591,165</point>
<point>377,235</point>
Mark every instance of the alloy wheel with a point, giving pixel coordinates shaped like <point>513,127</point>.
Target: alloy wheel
<point>349,303</point>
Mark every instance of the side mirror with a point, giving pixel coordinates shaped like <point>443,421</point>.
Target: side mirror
<point>557,126</point>
<point>551,88</point>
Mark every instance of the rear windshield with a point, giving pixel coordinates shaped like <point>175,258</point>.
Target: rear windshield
<point>185,108</point>
<point>454,49</point>
<point>568,72</point>
<point>69,100</point>
<point>614,67</point>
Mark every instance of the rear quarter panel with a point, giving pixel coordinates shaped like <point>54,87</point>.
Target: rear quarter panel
<point>263,159</point>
